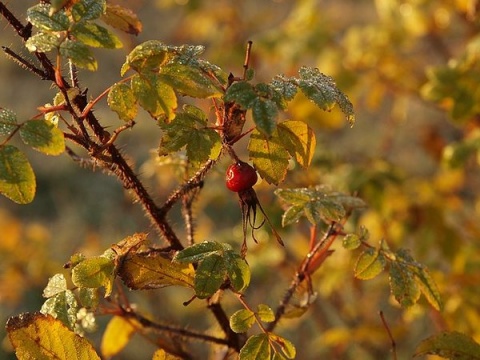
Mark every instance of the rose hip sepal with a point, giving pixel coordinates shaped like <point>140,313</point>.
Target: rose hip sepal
<point>248,205</point>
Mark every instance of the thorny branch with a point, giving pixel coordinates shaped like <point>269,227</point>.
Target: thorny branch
<point>103,153</point>
<point>318,252</point>
<point>103,149</point>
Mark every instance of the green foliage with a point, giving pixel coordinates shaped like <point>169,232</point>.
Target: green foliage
<point>263,346</point>
<point>154,96</point>
<point>242,320</point>
<point>322,90</point>
<point>17,179</point>
<point>454,84</point>
<point>317,204</point>
<point>121,99</point>
<point>69,28</point>
<point>449,345</point>
<point>369,264</point>
<point>408,278</point>
<point>189,129</point>
<point>43,136</point>
<point>216,262</point>
<point>94,272</point>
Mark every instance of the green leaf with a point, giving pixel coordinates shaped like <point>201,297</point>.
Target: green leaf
<point>39,16</point>
<point>322,90</point>
<point>265,313</point>
<point>43,136</point>
<point>403,285</point>
<point>238,271</point>
<point>450,345</point>
<point>121,99</point>
<point>94,272</point>
<point>299,140</point>
<point>209,276</point>
<point>198,252</point>
<point>286,346</point>
<point>189,128</point>
<point>285,86</point>
<point>56,284</point>
<point>145,57</point>
<point>88,298</point>
<point>257,347</point>
<point>428,287</point>
<point>454,86</point>
<point>43,42</point>
<point>456,154</point>
<point>351,241</point>
<point>95,35</point>
<point>249,74</point>
<point>88,9</point>
<point>269,156</point>
<point>154,96</point>
<point>191,80</point>
<point>422,278</point>
<point>241,93</point>
<point>141,271</point>
<point>79,53</point>
<point>317,204</point>
<point>17,179</point>
<point>122,19</point>
<point>202,145</point>
<point>369,264</point>
<point>117,335</point>
<point>297,196</point>
<point>62,306</point>
<point>265,112</point>
<point>42,337</point>
<point>241,321</point>
<point>292,215</point>
<point>324,209</point>
<point>8,121</point>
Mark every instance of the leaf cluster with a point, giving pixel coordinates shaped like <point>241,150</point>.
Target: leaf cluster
<point>408,278</point>
<point>216,262</point>
<point>71,29</point>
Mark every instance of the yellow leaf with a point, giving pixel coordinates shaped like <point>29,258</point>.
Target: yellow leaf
<point>152,271</point>
<point>38,336</point>
<point>161,354</point>
<point>118,333</point>
<point>129,244</point>
<point>299,140</point>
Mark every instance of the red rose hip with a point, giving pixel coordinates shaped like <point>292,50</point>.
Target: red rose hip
<point>240,176</point>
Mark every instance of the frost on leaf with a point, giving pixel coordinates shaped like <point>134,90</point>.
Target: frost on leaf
<point>322,90</point>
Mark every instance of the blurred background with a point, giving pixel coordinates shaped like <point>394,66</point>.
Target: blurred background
<point>411,70</point>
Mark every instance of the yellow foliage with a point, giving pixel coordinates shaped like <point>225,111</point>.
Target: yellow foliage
<point>118,333</point>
